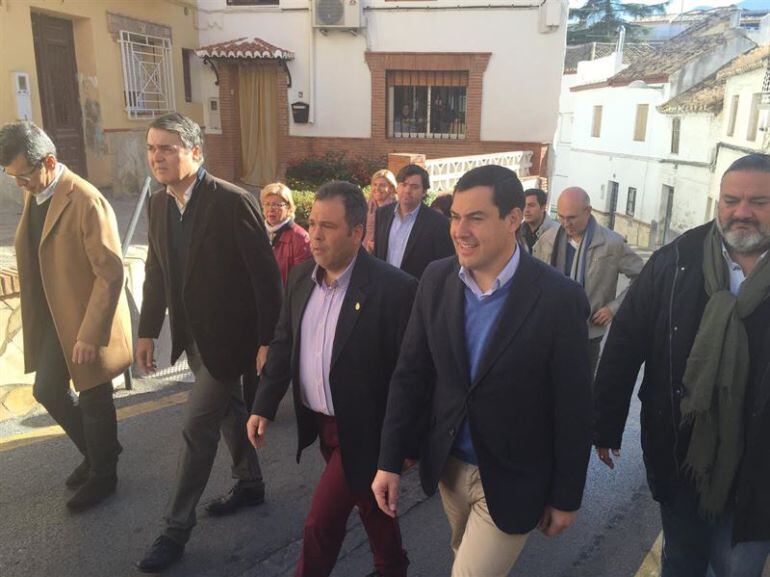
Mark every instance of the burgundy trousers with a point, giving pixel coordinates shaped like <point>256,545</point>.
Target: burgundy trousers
<point>333,501</point>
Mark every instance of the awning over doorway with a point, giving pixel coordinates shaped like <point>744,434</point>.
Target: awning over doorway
<point>251,48</point>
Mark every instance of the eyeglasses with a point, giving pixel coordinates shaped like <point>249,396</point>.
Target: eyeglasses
<point>269,205</point>
<point>25,177</point>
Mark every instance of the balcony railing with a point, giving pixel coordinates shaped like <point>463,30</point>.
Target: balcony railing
<point>445,172</point>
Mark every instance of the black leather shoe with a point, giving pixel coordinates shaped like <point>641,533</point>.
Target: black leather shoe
<point>94,491</point>
<point>79,475</point>
<point>163,553</point>
<point>240,496</point>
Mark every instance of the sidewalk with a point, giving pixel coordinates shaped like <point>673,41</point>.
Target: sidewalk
<point>16,400</point>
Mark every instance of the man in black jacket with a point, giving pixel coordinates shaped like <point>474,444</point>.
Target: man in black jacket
<point>210,264</point>
<point>699,318</point>
<point>497,345</point>
<point>408,234</point>
<point>337,340</point>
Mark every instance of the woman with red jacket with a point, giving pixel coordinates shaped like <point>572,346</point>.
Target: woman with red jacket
<point>290,242</point>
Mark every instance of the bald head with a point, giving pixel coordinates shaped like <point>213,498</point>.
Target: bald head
<point>574,210</point>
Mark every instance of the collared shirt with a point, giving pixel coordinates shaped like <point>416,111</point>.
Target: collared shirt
<point>400,230</point>
<point>737,276</point>
<point>187,193</point>
<point>319,326</point>
<point>505,275</point>
<point>482,311</point>
<point>49,190</point>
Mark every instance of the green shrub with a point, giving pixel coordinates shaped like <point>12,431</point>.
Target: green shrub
<point>311,172</point>
<point>303,199</point>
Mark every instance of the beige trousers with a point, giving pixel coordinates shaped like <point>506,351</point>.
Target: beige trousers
<point>480,548</point>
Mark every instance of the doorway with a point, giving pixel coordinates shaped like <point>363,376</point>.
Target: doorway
<point>59,98</point>
<point>613,188</point>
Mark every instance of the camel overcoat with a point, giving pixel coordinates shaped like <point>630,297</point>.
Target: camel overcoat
<point>82,273</point>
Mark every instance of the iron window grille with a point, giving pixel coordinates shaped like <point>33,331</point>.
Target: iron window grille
<point>427,104</point>
<point>148,79</point>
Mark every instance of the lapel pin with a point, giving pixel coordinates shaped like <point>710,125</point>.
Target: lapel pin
<point>358,306</point>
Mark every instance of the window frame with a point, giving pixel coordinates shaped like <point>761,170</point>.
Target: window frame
<point>596,121</point>
<point>676,132</point>
<point>753,126</point>
<point>631,201</point>
<point>390,113</point>
<point>734,103</point>
<point>640,122</point>
<point>136,78</point>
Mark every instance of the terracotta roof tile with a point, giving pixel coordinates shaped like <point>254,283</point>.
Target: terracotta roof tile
<point>632,52</point>
<point>254,48</point>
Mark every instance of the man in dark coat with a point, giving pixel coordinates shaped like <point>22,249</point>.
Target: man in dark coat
<point>337,341</point>
<point>210,264</point>
<point>497,345</point>
<point>699,318</point>
<point>408,234</point>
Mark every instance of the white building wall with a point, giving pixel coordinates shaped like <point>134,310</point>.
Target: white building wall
<point>521,83</point>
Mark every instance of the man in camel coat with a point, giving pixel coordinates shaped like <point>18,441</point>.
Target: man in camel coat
<point>75,317</point>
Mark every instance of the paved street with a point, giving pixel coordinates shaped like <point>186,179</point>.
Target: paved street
<point>38,537</point>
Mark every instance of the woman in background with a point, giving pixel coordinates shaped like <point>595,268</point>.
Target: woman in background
<point>383,192</point>
<point>290,242</point>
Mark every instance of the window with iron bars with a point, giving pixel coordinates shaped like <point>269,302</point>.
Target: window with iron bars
<point>148,78</point>
<point>427,104</point>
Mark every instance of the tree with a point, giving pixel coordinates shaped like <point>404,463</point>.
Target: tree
<point>600,20</point>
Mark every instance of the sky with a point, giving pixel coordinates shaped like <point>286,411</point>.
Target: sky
<point>677,6</point>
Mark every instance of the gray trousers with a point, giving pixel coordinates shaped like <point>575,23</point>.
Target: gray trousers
<point>212,406</point>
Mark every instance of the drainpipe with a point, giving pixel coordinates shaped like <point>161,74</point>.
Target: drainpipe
<point>619,48</point>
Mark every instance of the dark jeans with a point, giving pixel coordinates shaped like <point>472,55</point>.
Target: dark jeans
<point>695,547</point>
<point>90,422</point>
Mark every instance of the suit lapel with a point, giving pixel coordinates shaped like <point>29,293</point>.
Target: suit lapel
<point>455,316</point>
<point>205,189</point>
<point>523,295</point>
<point>59,201</point>
<point>22,242</point>
<point>352,305</point>
<point>302,293</point>
<point>415,233</point>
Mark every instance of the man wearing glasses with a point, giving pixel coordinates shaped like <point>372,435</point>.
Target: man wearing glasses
<point>75,317</point>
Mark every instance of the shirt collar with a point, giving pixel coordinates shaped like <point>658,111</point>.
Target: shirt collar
<point>502,279</point>
<point>341,281</point>
<point>409,216</point>
<point>49,190</point>
<point>188,193</point>
<point>731,264</point>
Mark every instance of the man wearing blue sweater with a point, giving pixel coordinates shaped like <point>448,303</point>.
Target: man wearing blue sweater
<point>496,355</point>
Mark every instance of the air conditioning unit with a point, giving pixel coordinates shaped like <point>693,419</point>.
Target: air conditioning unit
<point>336,14</point>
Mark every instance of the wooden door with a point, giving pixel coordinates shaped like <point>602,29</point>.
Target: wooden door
<point>58,83</point>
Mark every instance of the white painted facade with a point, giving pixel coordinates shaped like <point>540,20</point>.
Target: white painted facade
<point>649,166</point>
<point>521,84</point>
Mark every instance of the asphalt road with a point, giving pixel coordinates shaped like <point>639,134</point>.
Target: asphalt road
<point>617,525</point>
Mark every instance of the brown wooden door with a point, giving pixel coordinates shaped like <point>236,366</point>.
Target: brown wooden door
<point>59,100</point>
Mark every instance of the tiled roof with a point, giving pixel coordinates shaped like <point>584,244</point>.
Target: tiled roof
<point>708,95</point>
<point>632,52</point>
<point>751,60</point>
<point>254,48</point>
<point>667,58</point>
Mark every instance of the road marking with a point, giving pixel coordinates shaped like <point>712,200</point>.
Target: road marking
<point>45,433</point>
<point>651,564</point>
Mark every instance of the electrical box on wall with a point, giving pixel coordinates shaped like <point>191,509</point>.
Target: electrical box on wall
<point>213,116</point>
<point>23,96</point>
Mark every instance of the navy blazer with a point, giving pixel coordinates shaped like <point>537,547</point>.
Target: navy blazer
<point>428,240</point>
<point>529,407</point>
<point>371,325</point>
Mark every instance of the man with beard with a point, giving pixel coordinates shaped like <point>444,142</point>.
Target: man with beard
<point>699,317</point>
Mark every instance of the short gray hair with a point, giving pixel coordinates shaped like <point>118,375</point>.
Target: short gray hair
<point>25,138</point>
<point>186,128</point>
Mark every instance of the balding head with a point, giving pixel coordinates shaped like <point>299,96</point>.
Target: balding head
<point>574,210</point>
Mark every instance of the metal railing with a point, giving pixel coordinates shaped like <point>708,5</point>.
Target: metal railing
<point>445,172</point>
